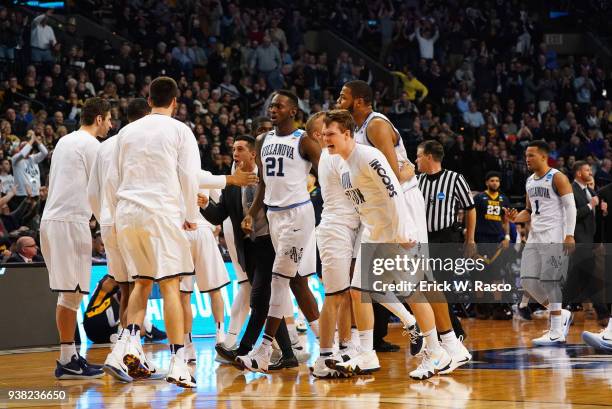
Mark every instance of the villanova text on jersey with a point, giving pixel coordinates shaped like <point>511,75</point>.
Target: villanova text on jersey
<point>278,149</point>
<point>539,191</point>
<point>354,194</point>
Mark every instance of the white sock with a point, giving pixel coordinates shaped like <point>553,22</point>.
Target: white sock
<point>220,335</point>
<point>240,310</point>
<point>326,351</point>
<point>524,301</point>
<point>609,328</point>
<point>554,306</point>
<point>355,336</point>
<point>136,339</point>
<point>67,351</point>
<point>401,312</point>
<point>556,322</point>
<point>266,344</point>
<point>293,334</point>
<point>366,340</point>
<point>431,339</point>
<point>449,338</point>
<point>314,326</point>
<point>188,339</point>
<point>147,324</point>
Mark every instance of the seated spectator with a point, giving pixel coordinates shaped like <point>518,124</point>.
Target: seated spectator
<point>26,251</point>
<point>98,253</point>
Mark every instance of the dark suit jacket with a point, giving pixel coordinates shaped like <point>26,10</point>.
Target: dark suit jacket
<point>604,223</point>
<point>230,205</point>
<point>585,217</point>
<point>16,258</point>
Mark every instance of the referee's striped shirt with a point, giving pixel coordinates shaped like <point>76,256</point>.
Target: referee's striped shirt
<point>443,191</point>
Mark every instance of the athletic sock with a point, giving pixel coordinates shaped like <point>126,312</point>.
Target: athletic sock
<point>366,340</point>
<point>326,351</point>
<point>220,335</point>
<point>230,339</point>
<point>133,329</point>
<point>293,335</point>
<point>174,348</point>
<point>609,328</point>
<point>401,312</point>
<point>449,337</point>
<point>314,326</point>
<point>188,339</point>
<point>431,340</point>
<point>556,323</point>
<point>67,351</point>
<point>355,336</point>
<point>266,343</point>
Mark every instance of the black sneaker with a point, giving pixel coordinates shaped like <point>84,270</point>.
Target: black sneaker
<point>384,346</point>
<point>75,369</point>
<point>501,312</point>
<point>524,313</point>
<point>227,354</point>
<point>284,362</point>
<point>84,362</point>
<point>416,339</point>
<point>154,335</point>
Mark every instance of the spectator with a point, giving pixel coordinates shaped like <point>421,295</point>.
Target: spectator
<point>426,37</point>
<point>412,86</point>
<point>26,170</point>
<point>473,118</point>
<point>7,182</point>
<point>42,39</point>
<point>98,252</point>
<point>267,62</point>
<point>26,251</point>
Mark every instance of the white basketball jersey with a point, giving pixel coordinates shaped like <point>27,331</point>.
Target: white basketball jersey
<point>546,206</point>
<point>285,172</point>
<point>361,136</point>
<point>337,207</point>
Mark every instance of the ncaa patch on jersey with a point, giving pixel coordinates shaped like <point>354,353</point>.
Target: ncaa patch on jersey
<point>441,196</point>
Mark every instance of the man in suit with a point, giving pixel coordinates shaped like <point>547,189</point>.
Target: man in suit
<point>580,281</point>
<point>255,254</point>
<point>26,251</point>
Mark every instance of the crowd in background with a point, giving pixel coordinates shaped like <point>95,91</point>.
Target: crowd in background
<point>475,75</point>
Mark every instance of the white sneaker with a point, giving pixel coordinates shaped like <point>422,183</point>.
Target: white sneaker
<point>321,370</point>
<point>133,359</point>
<point>256,361</point>
<point>601,341</point>
<point>178,372</point>
<point>567,318</point>
<point>190,355</point>
<point>550,338</point>
<point>459,355</point>
<point>300,325</point>
<point>114,366</point>
<point>298,350</point>
<point>431,364</point>
<point>363,363</point>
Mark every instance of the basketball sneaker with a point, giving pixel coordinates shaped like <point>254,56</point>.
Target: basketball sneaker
<point>178,372</point>
<point>133,359</point>
<point>549,338</point>
<point>362,363</point>
<point>298,350</point>
<point>320,369</point>
<point>226,355</point>
<point>601,341</point>
<point>431,364</point>
<point>75,369</point>
<point>567,318</point>
<point>190,355</point>
<point>113,365</point>
<point>459,355</point>
<point>257,360</point>
<point>154,335</point>
<point>416,339</point>
<point>85,362</point>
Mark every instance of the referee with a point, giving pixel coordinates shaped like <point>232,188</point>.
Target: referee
<point>445,191</point>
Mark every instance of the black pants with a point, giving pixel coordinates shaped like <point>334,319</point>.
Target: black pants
<point>259,255</point>
<point>381,322</point>
<point>447,236</point>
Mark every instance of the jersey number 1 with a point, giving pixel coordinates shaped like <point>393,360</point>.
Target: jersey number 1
<point>271,166</point>
<point>537,209</point>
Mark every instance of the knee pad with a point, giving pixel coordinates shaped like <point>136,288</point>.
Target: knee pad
<point>279,296</point>
<point>70,300</point>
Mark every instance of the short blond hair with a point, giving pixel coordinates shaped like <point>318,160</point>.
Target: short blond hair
<point>343,118</point>
<point>312,120</point>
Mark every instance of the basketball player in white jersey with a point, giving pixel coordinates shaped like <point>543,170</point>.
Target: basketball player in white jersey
<point>137,108</point>
<point>151,193</point>
<point>65,237</point>
<point>336,236</point>
<point>285,157</point>
<point>375,129</point>
<point>210,275</point>
<point>375,192</point>
<point>551,210</point>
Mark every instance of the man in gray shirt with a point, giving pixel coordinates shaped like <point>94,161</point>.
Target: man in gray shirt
<point>25,168</point>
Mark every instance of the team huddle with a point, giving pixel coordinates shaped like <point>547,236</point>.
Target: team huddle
<point>157,212</point>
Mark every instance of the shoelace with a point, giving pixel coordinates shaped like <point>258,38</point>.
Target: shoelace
<point>414,336</point>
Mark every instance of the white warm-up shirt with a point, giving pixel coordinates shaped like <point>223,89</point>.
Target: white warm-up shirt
<point>337,207</point>
<point>71,166</point>
<point>155,165</point>
<point>375,191</point>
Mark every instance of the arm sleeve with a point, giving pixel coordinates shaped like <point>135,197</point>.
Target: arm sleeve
<point>384,178</point>
<point>207,180</point>
<point>94,190</point>
<point>41,155</point>
<point>462,193</point>
<point>113,179</point>
<point>570,213</point>
<point>188,168</point>
<point>22,153</point>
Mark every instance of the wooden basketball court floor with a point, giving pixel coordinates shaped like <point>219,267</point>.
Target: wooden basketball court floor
<point>506,373</point>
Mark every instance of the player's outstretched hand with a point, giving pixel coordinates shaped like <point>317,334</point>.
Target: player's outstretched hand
<point>510,213</point>
<point>189,226</point>
<point>202,200</point>
<point>247,224</point>
<point>242,178</point>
